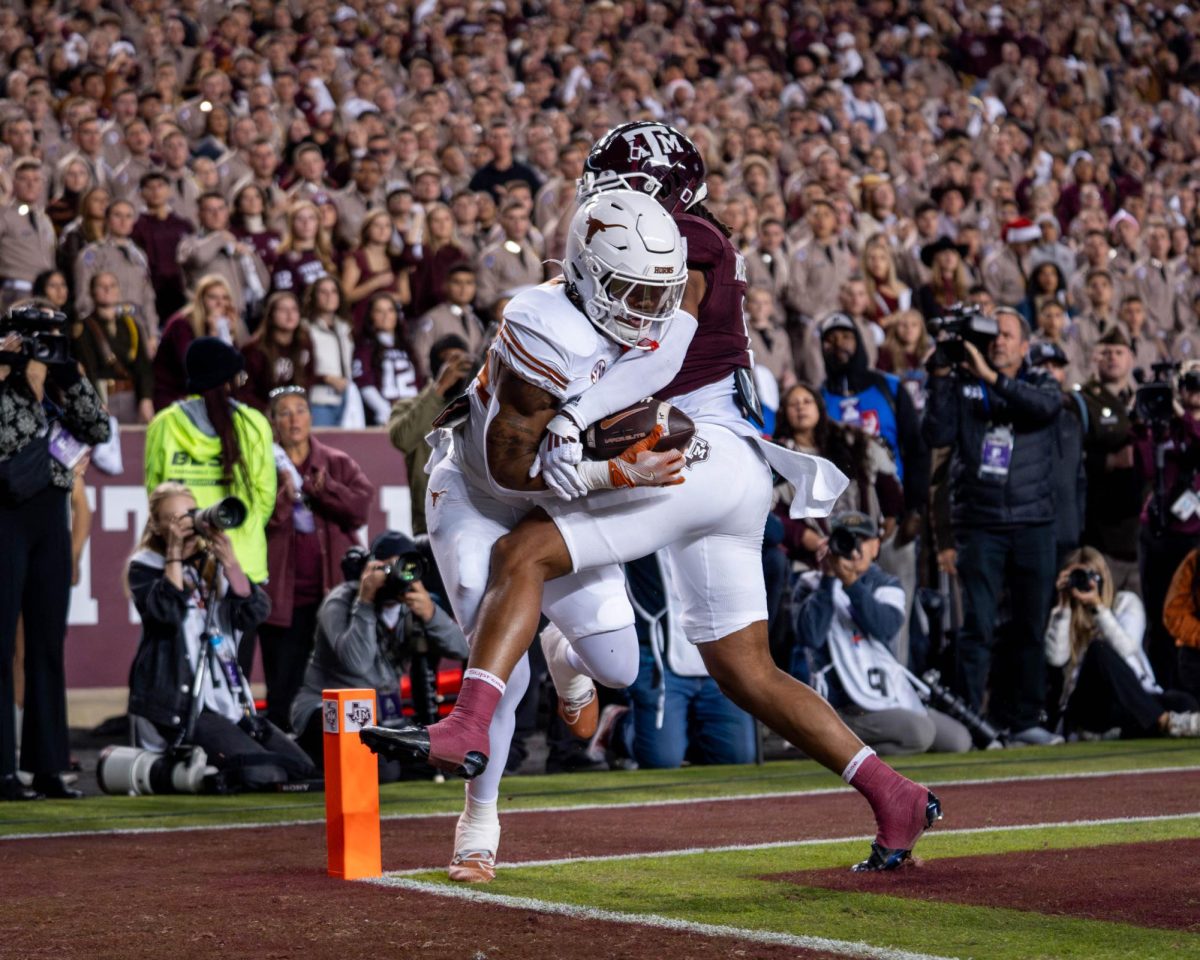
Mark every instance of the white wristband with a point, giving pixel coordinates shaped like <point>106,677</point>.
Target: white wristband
<point>595,474</point>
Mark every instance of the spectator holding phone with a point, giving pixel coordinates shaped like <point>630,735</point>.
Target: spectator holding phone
<point>1095,635</point>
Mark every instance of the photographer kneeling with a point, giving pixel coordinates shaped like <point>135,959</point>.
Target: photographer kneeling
<point>174,577</point>
<point>368,630</point>
<point>1095,635</point>
<point>850,623</point>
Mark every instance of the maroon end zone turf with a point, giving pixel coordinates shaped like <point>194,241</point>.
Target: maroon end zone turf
<point>1145,884</point>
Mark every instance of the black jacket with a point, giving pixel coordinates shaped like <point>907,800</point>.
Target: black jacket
<point>961,411</point>
<point>160,680</point>
<point>857,377</point>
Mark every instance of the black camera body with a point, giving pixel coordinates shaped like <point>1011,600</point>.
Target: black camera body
<point>1154,402</point>
<point>962,323</point>
<point>399,576</point>
<point>1083,580</point>
<point>41,332</point>
<point>843,542</point>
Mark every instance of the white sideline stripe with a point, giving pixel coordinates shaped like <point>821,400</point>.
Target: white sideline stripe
<point>846,948</point>
<point>630,805</point>
<point>823,841</point>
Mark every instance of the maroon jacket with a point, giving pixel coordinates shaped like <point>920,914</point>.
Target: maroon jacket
<point>340,507</point>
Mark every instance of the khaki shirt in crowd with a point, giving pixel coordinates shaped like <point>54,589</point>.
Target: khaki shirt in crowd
<point>816,275</point>
<point>127,179</point>
<point>1153,282</point>
<point>185,194</point>
<point>200,255</point>
<point>504,266</point>
<point>1090,327</point>
<point>1005,277</point>
<point>27,245</point>
<point>769,271</point>
<point>773,351</point>
<point>353,207</point>
<point>443,320</point>
<point>126,261</point>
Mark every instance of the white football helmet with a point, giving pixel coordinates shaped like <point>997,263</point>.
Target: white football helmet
<point>627,264</point>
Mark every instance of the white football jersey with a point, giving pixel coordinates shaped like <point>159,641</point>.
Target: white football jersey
<point>546,341</point>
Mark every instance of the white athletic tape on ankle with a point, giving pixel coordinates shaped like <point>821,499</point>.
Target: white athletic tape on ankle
<point>855,762</point>
<point>489,678</point>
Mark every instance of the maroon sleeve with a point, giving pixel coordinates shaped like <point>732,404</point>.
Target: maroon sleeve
<point>364,373</point>
<point>345,496</point>
<point>705,243</point>
<point>258,384</point>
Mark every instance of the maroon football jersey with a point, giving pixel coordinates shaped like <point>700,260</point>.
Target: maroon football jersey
<point>721,344</point>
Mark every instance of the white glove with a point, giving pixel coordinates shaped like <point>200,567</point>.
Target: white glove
<point>559,455</point>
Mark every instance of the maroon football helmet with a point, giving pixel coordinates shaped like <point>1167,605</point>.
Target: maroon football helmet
<point>649,157</point>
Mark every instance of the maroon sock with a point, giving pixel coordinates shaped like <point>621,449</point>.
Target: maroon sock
<point>898,803</point>
<point>466,728</point>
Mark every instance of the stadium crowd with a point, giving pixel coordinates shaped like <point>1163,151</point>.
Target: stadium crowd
<point>347,194</point>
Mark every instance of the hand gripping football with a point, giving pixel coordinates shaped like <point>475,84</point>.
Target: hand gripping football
<point>607,438</point>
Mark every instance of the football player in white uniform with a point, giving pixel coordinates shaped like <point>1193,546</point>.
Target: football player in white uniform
<point>711,527</point>
<point>548,350</point>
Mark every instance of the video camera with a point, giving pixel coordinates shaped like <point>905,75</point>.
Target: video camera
<point>399,576</point>
<point>962,323</point>
<point>226,514</point>
<point>41,332</point>
<point>1154,402</point>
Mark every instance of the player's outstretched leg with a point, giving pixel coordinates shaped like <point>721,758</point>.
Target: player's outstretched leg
<point>742,667</point>
<point>522,561</point>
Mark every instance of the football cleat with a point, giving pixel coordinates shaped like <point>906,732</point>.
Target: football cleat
<point>413,742</point>
<point>474,866</point>
<point>888,858</point>
<point>581,719</point>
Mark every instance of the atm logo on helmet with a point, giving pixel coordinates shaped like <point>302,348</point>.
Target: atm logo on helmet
<point>652,142</point>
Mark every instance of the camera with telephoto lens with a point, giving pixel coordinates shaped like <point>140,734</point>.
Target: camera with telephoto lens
<point>398,576</point>
<point>226,514</point>
<point>1154,402</point>
<point>986,736</point>
<point>843,542</point>
<point>41,332</point>
<point>960,324</point>
<point>134,772</point>
<point>1083,580</point>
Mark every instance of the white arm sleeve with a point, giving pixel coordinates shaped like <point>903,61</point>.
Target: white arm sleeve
<point>1058,637</point>
<point>374,399</point>
<point>1123,625</point>
<point>638,374</point>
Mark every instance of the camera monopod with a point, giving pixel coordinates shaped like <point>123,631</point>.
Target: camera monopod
<point>930,689</point>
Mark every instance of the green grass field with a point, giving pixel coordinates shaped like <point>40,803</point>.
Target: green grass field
<point>728,889</point>
<point>739,891</point>
<point>639,786</point>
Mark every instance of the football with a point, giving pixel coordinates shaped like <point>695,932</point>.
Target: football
<point>609,437</point>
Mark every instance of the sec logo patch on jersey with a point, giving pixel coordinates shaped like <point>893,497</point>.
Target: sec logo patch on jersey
<point>598,369</point>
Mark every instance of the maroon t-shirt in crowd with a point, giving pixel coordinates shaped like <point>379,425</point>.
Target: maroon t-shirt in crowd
<point>721,344</point>
<point>296,271</point>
